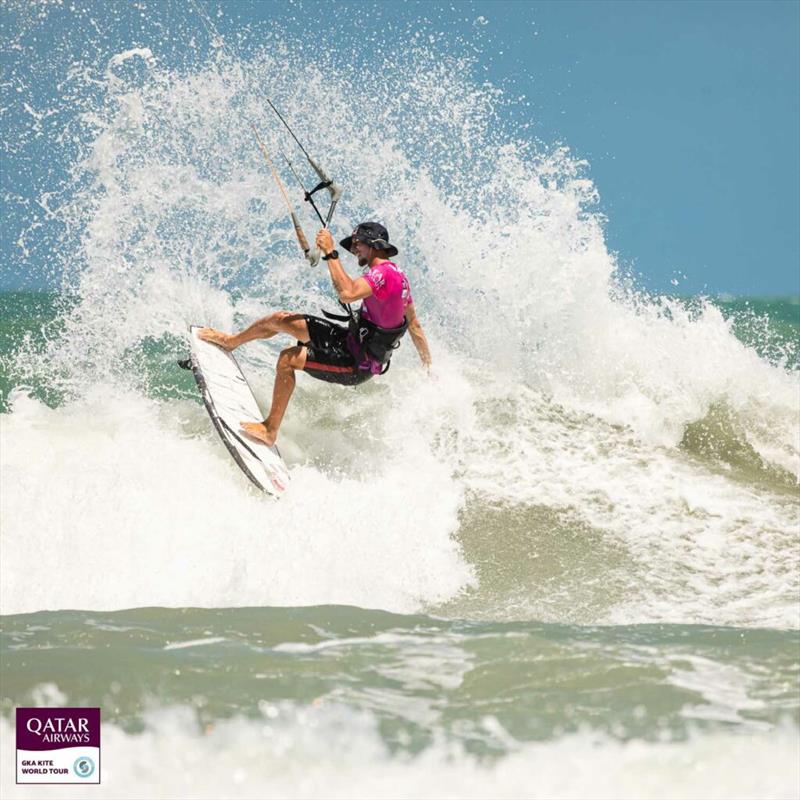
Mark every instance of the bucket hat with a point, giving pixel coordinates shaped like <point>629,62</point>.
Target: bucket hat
<point>373,234</point>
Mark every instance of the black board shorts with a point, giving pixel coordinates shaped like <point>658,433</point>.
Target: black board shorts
<point>328,357</point>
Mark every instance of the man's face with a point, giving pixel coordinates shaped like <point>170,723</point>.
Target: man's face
<point>362,252</point>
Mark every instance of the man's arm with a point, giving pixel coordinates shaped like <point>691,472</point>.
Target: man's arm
<point>418,335</point>
<point>348,289</point>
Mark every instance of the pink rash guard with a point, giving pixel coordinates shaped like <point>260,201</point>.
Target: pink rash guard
<point>386,306</point>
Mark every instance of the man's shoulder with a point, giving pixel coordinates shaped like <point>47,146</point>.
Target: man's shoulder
<point>390,268</point>
<point>376,275</point>
<point>385,270</point>
<point>387,280</point>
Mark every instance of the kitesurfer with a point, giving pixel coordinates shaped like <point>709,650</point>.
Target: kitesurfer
<point>330,352</point>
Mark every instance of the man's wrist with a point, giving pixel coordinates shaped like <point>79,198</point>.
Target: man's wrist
<point>331,255</point>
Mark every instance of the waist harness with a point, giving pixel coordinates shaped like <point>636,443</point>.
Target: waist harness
<point>372,340</point>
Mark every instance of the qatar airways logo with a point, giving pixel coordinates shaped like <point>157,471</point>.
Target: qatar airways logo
<point>60,729</point>
<point>58,745</point>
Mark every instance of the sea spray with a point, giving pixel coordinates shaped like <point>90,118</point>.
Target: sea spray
<point>557,386</point>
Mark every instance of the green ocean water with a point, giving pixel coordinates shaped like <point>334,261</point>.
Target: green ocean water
<point>26,319</point>
<point>31,320</point>
<point>771,326</point>
<point>420,677</point>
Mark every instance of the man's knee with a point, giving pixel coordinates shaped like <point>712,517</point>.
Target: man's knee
<point>292,358</point>
<point>275,320</point>
<point>288,322</point>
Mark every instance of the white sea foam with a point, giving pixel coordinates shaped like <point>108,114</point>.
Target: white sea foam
<point>120,508</point>
<point>701,546</point>
<point>333,752</point>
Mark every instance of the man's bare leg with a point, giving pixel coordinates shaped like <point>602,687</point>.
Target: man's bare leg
<point>290,359</point>
<point>265,328</point>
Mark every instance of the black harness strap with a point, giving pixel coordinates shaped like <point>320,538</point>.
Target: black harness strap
<point>377,342</point>
<point>338,317</point>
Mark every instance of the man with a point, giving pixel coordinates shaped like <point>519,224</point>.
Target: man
<point>347,355</point>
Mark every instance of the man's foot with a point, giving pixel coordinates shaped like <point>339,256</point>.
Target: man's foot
<point>259,431</point>
<point>224,340</point>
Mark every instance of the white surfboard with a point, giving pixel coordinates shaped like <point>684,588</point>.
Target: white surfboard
<point>229,402</point>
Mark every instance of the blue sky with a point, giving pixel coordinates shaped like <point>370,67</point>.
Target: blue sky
<point>688,113</point>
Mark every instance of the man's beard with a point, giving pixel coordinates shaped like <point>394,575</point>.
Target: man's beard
<point>362,262</point>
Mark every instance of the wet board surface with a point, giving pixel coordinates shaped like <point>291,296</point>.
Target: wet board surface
<point>229,402</point>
